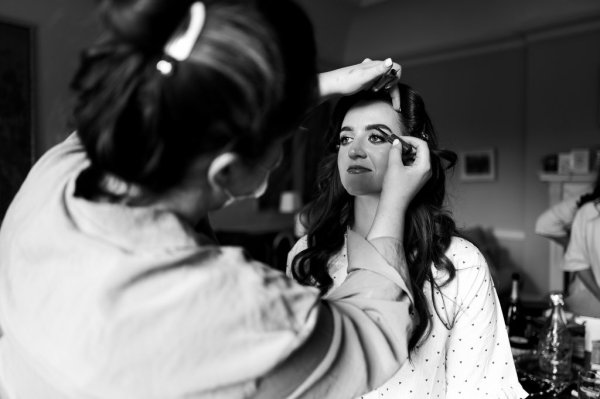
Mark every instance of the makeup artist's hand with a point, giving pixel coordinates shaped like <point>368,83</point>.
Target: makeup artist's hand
<point>351,79</point>
<point>402,182</point>
<point>400,185</point>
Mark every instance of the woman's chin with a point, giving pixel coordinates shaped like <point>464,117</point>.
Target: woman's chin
<point>363,191</point>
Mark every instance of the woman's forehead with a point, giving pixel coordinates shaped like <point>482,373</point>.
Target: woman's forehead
<point>371,112</point>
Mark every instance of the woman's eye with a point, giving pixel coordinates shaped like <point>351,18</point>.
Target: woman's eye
<point>377,138</point>
<point>345,140</point>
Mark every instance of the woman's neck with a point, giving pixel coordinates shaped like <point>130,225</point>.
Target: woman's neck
<point>188,201</point>
<point>365,207</point>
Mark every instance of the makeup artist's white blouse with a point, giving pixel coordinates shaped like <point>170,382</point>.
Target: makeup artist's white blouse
<point>467,354</point>
<point>106,301</point>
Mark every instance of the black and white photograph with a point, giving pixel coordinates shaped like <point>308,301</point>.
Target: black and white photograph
<point>299,199</point>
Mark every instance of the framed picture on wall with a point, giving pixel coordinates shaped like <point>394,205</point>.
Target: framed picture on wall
<point>16,107</point>
<point>477,166</point>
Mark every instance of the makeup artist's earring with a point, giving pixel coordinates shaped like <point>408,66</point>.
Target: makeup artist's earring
<point>424,136</point>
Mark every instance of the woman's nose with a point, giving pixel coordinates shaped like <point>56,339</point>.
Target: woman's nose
<point>356,151</point>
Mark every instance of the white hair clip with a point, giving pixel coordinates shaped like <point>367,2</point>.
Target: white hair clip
<point>180,47</point>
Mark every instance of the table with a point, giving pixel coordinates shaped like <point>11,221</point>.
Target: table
<point>536,386</point>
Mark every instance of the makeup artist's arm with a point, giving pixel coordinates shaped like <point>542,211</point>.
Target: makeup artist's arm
<point>351,79</point>
<point>395,199</point>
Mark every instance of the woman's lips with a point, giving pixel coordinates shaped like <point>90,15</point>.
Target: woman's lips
<point>355,170</point>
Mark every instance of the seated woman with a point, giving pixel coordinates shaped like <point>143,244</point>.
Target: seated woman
<point>459,346</point>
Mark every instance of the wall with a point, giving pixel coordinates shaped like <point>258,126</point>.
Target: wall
<point>519,77</point>
<point>411,28</point>
<point>331,19</point>
<point>477,102</point>
<point>563,91</point>
<point>526,97</point>
<point>63,28</point>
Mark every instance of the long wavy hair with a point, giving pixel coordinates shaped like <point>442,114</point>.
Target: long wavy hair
<point>429,227</point>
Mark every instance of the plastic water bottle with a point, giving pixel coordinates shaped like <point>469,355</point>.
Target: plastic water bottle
<point>555,346</point>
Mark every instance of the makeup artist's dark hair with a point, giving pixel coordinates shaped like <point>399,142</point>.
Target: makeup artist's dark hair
<point>249,79</point>
<point>429,227</point>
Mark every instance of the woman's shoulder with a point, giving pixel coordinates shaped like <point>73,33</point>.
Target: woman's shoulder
<point>464,254</point>
<point>470,266</point>
<point>472,275</point>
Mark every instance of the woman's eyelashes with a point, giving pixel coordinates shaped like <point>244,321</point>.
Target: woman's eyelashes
<point>345,139</point>
<point>375,138</point>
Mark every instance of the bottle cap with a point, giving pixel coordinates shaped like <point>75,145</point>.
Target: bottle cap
<point>556,298</point>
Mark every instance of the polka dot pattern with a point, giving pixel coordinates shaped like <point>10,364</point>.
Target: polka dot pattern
<point>467,354</point>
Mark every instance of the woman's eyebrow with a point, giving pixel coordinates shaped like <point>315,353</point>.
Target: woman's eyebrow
<point>380,127</point>
<point>346,129</point>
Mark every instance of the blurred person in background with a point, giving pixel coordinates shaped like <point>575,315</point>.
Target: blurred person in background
<point>583,255</point>
<point>572,224</point>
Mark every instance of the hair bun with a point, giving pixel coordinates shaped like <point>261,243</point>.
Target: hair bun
<point>146,24</point>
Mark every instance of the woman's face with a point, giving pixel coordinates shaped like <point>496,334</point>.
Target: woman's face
<point>363,153</point>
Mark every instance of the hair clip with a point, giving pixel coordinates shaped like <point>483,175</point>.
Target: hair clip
<point>180,47</point>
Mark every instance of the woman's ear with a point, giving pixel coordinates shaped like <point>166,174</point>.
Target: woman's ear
<point>221,170</point>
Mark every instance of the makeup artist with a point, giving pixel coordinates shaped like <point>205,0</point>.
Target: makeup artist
<point>106,289</point>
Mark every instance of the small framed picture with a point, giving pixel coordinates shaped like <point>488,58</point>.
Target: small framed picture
<point>477,166</point>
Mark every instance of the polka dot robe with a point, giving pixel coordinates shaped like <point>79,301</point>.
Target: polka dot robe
<point>467,353</point>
